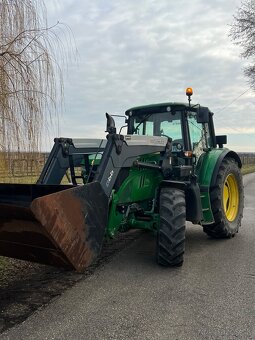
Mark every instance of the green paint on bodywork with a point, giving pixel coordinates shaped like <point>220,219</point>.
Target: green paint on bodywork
<point>204,171</point>
<point>206,207</point>
<point>140,187</point>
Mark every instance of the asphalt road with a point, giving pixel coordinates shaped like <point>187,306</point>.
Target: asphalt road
<point>211,297</point>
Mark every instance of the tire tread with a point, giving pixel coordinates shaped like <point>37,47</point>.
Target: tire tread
<point>222,228</point>
<point>171,233</point>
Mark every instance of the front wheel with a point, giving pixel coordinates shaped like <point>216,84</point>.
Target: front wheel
<point>227,200</point>
<point>171,232</point>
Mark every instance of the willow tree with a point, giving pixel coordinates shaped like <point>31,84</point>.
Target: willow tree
<point>243,34</point>
<point>30,78</point>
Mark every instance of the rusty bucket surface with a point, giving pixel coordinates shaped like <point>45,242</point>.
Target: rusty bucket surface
<point>56,225</point>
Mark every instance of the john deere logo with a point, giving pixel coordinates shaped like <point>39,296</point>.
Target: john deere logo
<point>109,178</point>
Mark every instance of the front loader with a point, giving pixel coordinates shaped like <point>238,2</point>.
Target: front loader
<point>169,168</point>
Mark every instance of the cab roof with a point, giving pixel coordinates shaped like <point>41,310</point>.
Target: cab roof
<point>160,107</point>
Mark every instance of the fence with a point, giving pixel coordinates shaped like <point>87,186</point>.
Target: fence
<point>26,167</point>
<point>21,167</point>
<point>247,158</point>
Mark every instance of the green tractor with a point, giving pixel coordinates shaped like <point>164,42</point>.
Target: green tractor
<point>169,168</point>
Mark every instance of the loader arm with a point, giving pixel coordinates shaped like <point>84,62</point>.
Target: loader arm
<point>121,152</point>
<point>66,153</point>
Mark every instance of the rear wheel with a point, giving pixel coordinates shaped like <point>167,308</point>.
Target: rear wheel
<point>171,232</point>
<point>226,201</point>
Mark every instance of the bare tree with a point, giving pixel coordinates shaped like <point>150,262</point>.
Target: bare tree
<point>243,34</point>
<point>30,78</point>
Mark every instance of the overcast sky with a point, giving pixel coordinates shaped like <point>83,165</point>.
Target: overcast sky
<point>148,51</point>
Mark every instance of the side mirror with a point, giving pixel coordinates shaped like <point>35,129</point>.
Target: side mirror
<point>203,115</point>
<point>110,125</point>
<point>220,140</point>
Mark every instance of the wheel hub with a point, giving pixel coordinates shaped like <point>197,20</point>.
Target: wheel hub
<point>230,197</point>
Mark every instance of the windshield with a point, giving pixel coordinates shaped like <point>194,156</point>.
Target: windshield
<point>157,124</point>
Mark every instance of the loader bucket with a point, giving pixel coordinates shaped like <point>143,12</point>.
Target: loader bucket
<point>53,224</point>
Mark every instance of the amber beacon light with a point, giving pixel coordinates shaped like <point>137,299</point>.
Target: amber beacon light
<point>189,93</point>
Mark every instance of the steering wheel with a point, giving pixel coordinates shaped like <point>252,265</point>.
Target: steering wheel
<point>177,145</point>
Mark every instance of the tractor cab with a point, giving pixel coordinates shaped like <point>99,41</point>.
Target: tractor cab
<point>189,127</point>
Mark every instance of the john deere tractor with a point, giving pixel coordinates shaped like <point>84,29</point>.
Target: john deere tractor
<point>169,168</point>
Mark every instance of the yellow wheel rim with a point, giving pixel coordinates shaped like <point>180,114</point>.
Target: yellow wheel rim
<point>230,197</point>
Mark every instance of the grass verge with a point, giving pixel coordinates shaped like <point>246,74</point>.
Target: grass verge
<point>248,168</point>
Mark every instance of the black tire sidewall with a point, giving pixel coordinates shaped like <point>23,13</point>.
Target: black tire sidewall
<point>233,169</point>
<point>171,233</point>
<point>222,227</point>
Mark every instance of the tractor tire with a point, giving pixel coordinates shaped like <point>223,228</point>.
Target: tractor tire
<point>171,233</point>
<point>227,201</point>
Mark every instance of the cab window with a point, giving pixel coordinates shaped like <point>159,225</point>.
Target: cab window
<point>199,134</point>
<point>158,124</point>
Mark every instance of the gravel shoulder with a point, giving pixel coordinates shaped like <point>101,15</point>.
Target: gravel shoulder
<point>26,286</point>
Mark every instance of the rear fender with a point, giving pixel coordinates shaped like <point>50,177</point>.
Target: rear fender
<point>206,170</point>
<point>226,153</point>
<point>209,164</point>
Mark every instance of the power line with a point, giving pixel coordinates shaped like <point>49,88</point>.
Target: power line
<point>235,99</point>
